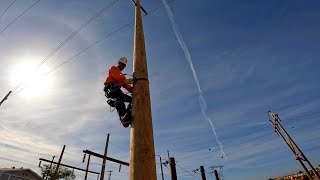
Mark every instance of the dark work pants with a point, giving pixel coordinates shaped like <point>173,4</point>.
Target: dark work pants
<point>120,98</point>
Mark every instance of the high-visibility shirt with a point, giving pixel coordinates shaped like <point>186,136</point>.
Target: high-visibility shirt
<point>116,76</point>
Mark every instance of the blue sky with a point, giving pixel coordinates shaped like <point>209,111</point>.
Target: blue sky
<point>249,57</point>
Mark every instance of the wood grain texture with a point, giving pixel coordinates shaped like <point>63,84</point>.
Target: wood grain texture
<point>142,154</point>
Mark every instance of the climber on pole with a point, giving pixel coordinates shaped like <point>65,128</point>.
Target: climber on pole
<point>116,97</point>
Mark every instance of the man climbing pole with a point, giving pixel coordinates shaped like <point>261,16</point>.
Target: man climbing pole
<point>112,88</point>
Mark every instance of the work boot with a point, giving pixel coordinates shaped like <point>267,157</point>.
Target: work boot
<point>126,119</point>
<point>111,103</point>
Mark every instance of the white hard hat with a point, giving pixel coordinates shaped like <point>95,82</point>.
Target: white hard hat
<point>123,60</point>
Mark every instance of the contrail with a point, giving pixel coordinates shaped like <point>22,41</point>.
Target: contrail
<point>202,101</point>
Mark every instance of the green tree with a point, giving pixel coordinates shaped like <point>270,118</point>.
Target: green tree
<point>63,173</point>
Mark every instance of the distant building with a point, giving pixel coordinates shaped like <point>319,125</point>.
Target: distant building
<point>18,174</point>
<point>298,176</point>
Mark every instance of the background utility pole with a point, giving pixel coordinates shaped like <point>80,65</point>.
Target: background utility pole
<point>161,168</point>
<point>173,168</point>
<point>216,174</point>
<point>88,163</point>
<point>292,145</point>
<point>203,175</point>
<point>219,175</point>
<point>142,155</point>
<point>109,178</point>
<point>47,175</point>
<point>57,168</point>
<point>104,159</point>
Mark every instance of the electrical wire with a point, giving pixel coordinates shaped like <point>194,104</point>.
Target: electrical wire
<point>301,115</point>
<point>79,29</point>
<point>228,141</point>
<point>186,171</point>
<point>7,8</point>
<point>119,146</point>
<point>261,142</point>
<point>104,9</point>
<point>15,161</point>
<point>22,149</point>
<point>225,142</point>
<point>85,49</point>
<point>19,16</point>
<point>192,155</point>
<point>300,132</point>
<point>305,101</point>
<point>304,131</point>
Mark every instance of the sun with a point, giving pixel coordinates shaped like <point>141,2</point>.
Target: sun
<point>35,81</point>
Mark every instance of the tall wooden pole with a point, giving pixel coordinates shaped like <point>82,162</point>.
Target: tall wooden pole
<point>161,168</point>
<point>104,160</point>
<point>173,170</point>
<point>57,168</point>
<point>216,174</point>
<point>88,163</point>
<point>142,155</point>
<point>47,175</point>
<point>109,178</point>
<point>203,175</point>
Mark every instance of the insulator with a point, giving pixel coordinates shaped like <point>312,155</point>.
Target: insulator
<point>84,157</point>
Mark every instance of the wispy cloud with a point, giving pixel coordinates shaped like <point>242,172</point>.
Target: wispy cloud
<point>202,100</point>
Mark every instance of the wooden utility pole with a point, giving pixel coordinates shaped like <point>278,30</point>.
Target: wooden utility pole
<point>88,163</point>
<point>173,168</point>
<point>161,168</point>
<point>109,178</point>
<point>104,159</point>
<point>203,175</point>
<point>142,154</point>
<point>49,167</point>
<point>57,168</point>
<point>298,154</point>
<point>216,174</point>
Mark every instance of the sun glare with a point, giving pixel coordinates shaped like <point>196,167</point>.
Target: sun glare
<point>33,79</point>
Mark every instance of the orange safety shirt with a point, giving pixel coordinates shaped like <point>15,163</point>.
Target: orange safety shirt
<point>116,76</point>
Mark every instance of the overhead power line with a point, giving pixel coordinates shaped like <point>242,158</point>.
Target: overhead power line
<point>7,8</point>
<point>93,44</point>
<point>19,16</point>
<point>125,149</point>
<point>77,30</point>
<point>198,144</point>
<point>259,143</point>
<point>186,171</point>
<point>250,140</point>
<point>104,9</point>
<point>240,137</point>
